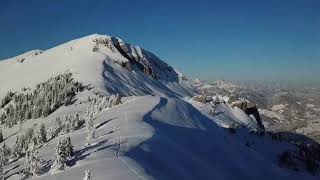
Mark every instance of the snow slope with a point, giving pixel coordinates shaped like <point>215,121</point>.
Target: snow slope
<point>153,134</point>
<point>99,69</point>
<point>162,138</point>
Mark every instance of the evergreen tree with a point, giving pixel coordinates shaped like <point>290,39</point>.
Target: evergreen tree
<point>59,158</point>
<point>46,109</point>
<point>1,136</point>
<point>24,142</point>
<point>17,148</point>
<point>32,163</point>
<point>87,175</point>
<point>69,147</point>
<point>42,134</point>
<point>6,99</point>
<point>6,150</point>
<point>61,155</point>
<point>3,162</point>
<point>1,173</point>
<point>90,130</point>
<point>30,135</point>
<point>46,98</point>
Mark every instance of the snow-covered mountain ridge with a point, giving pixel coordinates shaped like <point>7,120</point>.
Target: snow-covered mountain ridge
<point>128,115</point>
<point>89,59</point>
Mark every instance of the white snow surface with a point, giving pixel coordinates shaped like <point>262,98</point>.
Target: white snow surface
<point>95,68</point>
<point>26,55</point>
<point>154,134</point>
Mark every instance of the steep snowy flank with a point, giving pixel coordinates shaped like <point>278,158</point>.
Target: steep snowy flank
<point>145,61</point>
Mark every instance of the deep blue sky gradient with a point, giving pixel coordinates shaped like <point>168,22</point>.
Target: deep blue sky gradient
<point>235,40</point>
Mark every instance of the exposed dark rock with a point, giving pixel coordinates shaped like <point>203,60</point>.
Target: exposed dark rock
<point>145,61</point>
<point>249,108</point>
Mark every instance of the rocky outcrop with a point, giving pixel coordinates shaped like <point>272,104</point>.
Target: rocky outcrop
<point>145,61</point>
<point>202,99</point>
<point>249,108</point>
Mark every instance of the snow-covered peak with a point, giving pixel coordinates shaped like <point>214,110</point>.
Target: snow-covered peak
<point>224,84</point>
<point>105,62</point>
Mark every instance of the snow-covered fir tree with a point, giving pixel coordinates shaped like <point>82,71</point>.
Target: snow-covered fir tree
<point>3,162</point>
<point>32,165</point>
<point>77,122</point>
<point>30,134</point>
<point>90,130</point>
<point>1,136</point>
<point>17,148</point>
<point>101,103</point>
<point>65,125</point>
<point>87,175</point>
<point>6,150</point>
<point>64,150</point>
<point>42,136</point>
<point>1,172</point>
<point>69,147</point>
<point>24,142</point>
<point>60,157</point>
<point>7,98</point>
<point>55,128</point>
<point>46,98</point>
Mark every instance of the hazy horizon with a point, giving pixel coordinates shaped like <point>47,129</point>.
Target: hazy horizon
<point>237,41</point>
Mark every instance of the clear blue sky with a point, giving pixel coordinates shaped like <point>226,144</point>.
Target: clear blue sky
<point>237,40</point>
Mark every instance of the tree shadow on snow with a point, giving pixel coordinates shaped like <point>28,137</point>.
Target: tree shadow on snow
<point>105,122</point>
<point>10,136</point>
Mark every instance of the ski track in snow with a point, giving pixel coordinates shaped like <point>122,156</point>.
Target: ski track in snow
<point>122,160</point>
